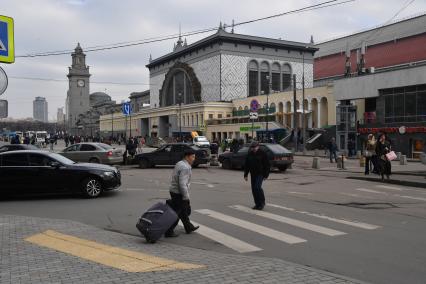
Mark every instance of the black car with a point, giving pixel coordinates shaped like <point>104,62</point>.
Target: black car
<point>42,172</point>
<point>170,154</point>
<point>279,157</point>
<point>17,147</point>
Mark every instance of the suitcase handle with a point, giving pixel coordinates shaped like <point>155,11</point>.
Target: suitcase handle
<point>155,211</point>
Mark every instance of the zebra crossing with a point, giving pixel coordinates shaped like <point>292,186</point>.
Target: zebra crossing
<point>246,223</point>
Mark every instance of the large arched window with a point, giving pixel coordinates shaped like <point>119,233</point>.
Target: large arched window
<point>179,83</point>
<point>276,70</point>
<point>264,74</point>
<point>286,77</point>
<point>253,78</point>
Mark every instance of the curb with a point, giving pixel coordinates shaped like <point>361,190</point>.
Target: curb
<point>393,181</point>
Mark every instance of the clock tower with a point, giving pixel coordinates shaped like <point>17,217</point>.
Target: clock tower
<point>78,101</point>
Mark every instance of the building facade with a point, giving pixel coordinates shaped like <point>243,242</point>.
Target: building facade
<point>40,109</point>
<point>60,116</point>
<point>379,79</point>
<point>78,100</point>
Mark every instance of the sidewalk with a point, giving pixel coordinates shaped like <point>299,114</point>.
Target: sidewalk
<point>36,250</point>
<point>412,174</point>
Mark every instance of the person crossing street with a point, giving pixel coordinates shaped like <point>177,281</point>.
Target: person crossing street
<point>257,164</point>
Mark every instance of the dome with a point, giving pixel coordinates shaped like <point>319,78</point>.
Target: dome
<point>98,97</point>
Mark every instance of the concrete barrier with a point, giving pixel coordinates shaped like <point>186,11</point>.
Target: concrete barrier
<point>214,161</point>
<point>423,158</point>
<point>398,156</point>
<point>403,160</point>
<point>316,153</point>
<point>315,163</point>
<point>339,162</point>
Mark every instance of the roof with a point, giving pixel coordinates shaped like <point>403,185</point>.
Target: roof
<point>139,94</point>
<point>222,35</point>
<point>99,94</point>
<point>404,28</point>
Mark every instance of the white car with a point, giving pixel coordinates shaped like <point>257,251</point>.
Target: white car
<point>201,141</point>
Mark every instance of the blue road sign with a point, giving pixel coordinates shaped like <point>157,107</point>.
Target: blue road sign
<point>254,105</point>
<point>127,108</point>
<point>7,48</point>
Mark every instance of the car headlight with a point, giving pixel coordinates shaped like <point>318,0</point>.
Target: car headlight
<point>109,174</point>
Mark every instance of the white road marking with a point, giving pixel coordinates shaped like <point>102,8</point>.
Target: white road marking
<point>389,187</point>
<point>203,183</point>
<point>411,197</point>
<point>296,192</point>
<point>370,190</point>
<point>226,240</point>
<point>290,221</point>
<point>135,188</point>
<point>341,221</point>
<point>253,227</point>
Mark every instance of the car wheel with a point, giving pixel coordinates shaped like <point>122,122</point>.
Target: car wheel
<point>91,187</point>
<point>282,168</point>
<point>144,164</point>
<point>94,160</point>
<point>226,164</point>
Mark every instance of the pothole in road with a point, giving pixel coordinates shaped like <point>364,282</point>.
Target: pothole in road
<point>361,205</point>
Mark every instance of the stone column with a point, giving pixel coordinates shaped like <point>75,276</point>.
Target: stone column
<point>319,114</point>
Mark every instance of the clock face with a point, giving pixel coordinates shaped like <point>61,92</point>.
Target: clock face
<point>80,83</point>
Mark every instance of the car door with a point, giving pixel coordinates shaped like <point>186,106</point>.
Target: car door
<point>17,176</point>
<point>88,152</point>
<point>72,152</point>
<point>162,156</point>
<point>50,178</point>
<point>238,159</point>
<point>176,154</point>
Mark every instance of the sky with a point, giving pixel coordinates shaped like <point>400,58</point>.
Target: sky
<point>52,25</point>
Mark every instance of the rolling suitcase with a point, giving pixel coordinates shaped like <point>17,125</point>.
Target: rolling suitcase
<point>156,221</point>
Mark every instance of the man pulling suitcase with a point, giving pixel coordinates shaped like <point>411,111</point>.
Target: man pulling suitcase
<point>179,192</point>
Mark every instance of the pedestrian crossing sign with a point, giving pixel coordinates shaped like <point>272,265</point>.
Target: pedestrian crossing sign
<point>7,47</point>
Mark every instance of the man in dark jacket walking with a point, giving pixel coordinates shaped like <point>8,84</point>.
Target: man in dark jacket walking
<point>257,164</point>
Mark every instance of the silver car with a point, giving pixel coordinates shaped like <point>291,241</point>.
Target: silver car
<point>93,153</point>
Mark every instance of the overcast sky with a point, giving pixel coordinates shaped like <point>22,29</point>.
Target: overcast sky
<point>51,25</point>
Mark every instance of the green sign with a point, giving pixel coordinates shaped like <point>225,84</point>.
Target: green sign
<point>248,128</point>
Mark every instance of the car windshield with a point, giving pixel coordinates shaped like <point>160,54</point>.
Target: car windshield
<point>277,149</point>
<point>201,139</point>
<point>105,146</point>
<point>61,159</point>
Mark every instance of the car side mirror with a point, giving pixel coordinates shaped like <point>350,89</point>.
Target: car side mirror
<point>55,165</point>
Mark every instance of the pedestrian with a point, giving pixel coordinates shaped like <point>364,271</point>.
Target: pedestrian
<point>370,151</point>
<point>179,193</point>
<point>67,140</point>
<point>332,149</point>
<point>257,164</point>
<point>382,148</point>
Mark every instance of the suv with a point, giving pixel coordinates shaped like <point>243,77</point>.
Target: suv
<point>170,154</point>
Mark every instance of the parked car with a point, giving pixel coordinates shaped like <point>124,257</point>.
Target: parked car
<point>17,147</point>
<point>170,154</point>
<point>201,141</point>
<point>279,157</point>
<point>41,172</point>
<point>98,153</point>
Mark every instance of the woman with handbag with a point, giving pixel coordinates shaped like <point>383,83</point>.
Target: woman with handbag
<point>370,151</point>
<point>382,149</point>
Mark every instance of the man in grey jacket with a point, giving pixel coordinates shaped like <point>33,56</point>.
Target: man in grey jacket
<point>179,192</point>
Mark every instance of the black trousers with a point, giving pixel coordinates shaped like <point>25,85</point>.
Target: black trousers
<point>257,190</point>
<point>182,209</point>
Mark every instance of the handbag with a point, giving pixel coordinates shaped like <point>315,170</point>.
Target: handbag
<point>391,156</point>
<point>368,154</point>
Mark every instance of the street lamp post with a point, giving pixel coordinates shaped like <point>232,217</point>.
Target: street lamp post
<point>303,104</point>
<point>267,105</point>
<point>180,116</point>
<point>112,124</point>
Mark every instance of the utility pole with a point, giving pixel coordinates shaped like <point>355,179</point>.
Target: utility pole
<point>295,138</point>
<point>303,104</point>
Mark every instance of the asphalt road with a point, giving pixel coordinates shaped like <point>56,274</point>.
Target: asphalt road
<point>355,228</point>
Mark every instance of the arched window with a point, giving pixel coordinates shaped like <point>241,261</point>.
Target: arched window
<point>276,70</point>
<point>246,108</point>
<point>179,83</point>
<point>253,87</point>
<point>264,73</point>
<point>286,77</point>
<point>240,108</point>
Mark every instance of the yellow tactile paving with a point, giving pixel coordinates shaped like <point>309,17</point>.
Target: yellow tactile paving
<point>130,261</point>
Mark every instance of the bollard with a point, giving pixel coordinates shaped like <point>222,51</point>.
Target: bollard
<point>340,162</point>
<point>315,163</point>
<point>362,161</point>
<point>398,156</point>
<point>316,153</point>
<point>213,161</point>
<point>403,160</point>
<point>358,154</point>
<point>423,158</point>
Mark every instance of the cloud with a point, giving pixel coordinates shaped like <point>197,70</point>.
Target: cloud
<point>48,25</point>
